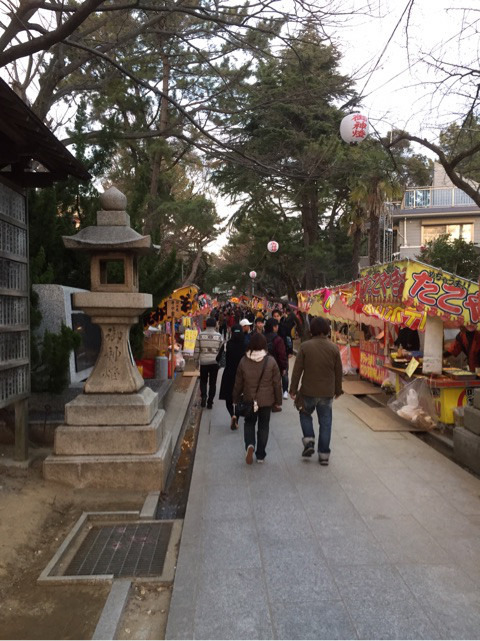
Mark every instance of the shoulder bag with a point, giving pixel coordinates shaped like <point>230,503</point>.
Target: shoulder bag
<point>221,357</point>
<point>245,408</point>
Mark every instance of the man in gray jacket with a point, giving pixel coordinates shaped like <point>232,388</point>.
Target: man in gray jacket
<point>207,346</point>
<point>319,365</point>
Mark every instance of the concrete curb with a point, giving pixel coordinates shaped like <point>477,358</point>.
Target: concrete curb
<point>114,606</point>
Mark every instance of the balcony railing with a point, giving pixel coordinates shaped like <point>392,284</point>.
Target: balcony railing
<point>425,197</point>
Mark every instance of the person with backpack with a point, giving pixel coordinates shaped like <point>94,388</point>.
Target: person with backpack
<point>276,347</point>
<point>258,384</point>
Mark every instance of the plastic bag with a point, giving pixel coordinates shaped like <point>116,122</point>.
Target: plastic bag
<point>179,359</point>
<point>416,404</point>
<point>345,355</point>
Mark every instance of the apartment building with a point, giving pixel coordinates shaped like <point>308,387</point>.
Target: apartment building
<point>428,212</point>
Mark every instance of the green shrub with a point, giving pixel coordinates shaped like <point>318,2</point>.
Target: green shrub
<point>50,373</point>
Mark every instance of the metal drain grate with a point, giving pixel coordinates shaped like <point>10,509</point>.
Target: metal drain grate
<point>137,549</point>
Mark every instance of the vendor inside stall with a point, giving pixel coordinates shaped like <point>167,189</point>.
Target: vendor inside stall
<point>408,339</point>
<point>467,341</point>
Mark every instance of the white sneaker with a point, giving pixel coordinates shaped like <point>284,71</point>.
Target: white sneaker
<point>285,394</point>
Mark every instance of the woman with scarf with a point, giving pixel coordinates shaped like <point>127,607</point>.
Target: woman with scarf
<point>257,381</point>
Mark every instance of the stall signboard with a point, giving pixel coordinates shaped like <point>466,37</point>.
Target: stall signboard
<point>404,316</point>
<point>383,284</point>
<point>187,305</point>
<point>189,340</point>
<point>404,292</point>
<point>372,362</point>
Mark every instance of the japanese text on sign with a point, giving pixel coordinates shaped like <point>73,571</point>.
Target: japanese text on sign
<point>384,286</point>
<point>451,296</point>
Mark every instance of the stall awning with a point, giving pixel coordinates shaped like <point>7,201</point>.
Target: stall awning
<point>412,287</point>
<point>401,292</point>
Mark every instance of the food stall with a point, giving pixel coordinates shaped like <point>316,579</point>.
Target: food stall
<point>406,294</point>
<point>421,297</point>
<point>336,304</point>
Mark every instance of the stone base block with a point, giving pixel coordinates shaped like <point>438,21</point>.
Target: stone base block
<point>112,409</point>
<point>466,448</point>
<point>143,473</point>
<point>82,440</point>
<point>476,399</point>
<point>471,419</point>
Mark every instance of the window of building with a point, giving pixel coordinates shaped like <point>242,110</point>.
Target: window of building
<point>454,230</point>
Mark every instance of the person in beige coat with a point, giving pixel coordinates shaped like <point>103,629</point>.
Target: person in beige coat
<point>258,370</point>
<point>319,365</point>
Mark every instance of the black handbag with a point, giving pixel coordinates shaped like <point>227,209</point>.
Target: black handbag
<point>245,408</point>
<point>221,357</point>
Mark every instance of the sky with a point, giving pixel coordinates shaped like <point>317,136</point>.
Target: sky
<point>401,91</point>
<point>391,57</point>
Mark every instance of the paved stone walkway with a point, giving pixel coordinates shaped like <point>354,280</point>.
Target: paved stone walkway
<point>384,543</point>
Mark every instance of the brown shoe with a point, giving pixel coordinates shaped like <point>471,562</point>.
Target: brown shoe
<point>249,455</point>
<point>234,423</point>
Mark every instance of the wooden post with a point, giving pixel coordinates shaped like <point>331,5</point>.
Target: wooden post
<point>21,430</point>
<point>433,347</point>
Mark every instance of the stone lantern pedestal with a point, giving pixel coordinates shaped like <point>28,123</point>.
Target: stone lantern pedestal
<point>113,436</point>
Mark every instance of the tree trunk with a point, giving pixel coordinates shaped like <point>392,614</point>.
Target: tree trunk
<point>357,242</point>
<point>195,265</point>
<point>157,157</point>
<point>309,210</point>
<point>373,238</point>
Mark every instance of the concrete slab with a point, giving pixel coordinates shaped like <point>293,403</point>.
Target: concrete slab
<point>80,440</point>
<point>104,409</point>
<point>290,549</point>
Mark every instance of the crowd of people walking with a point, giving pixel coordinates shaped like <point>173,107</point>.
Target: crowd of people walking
<point>254,353</point>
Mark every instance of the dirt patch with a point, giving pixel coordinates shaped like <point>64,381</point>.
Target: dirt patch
<point>145,616</point>
<point>35,517</point>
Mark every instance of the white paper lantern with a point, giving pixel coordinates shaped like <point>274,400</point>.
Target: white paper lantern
<point>354,128</point>
<point>253,275</point>
<point>273,246</point>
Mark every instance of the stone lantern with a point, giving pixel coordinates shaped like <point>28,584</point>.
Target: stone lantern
<point>114,435</point>
<point>114,302</point>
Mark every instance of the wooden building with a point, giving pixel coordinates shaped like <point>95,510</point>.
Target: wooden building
<point>30,157</point>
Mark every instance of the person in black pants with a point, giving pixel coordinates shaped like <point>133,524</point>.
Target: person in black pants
<point>207,346</point>
<point>235,350</point>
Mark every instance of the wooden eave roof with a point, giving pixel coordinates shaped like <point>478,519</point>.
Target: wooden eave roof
<point>24,138</point>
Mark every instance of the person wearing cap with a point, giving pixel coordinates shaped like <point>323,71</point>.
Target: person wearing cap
<point>245,324</point>
<point>207,346</point>
<point>235,349</point>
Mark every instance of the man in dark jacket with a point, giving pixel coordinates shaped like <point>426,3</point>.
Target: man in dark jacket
<point>284,331</point>
<point>319,365</point>
<point>276,346</point>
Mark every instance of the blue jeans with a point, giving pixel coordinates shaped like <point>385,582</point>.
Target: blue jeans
<point>323,405</point>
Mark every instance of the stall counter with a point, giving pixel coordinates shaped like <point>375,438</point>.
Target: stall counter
<point>447,393</point>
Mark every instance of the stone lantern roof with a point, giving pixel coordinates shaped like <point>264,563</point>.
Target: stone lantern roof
<point>112,231</point>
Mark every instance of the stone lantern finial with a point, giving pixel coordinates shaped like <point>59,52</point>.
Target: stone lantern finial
<point>113,200</point>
